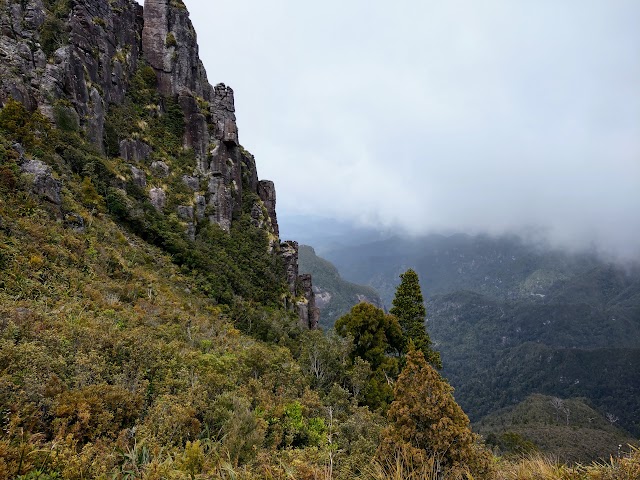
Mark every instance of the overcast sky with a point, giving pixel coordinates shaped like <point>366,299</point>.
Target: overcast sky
<point>440,115</point>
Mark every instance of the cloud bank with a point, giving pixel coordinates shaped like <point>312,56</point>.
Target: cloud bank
<point>440,116</point>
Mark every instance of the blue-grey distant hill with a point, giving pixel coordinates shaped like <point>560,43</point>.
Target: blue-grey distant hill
<point>511,318</point>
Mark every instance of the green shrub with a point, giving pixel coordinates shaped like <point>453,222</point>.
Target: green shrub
<point>53,35</point>
<point>65,117</point>
<point>170,41</point>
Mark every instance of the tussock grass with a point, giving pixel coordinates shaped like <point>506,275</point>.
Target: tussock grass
<point>627,467</point>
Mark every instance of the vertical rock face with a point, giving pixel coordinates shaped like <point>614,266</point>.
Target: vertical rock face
<point>223,112</point>
<point>307,311</point>
<point>300,287</point>
<point>289,252</point>
<point>170,46</point>
<point>77,63</point>
<point>267,193</point>
<point>88,63</point>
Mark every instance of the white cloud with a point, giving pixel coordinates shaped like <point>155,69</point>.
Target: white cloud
<point>466,115</point>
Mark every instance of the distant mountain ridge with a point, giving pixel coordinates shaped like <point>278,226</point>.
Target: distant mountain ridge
<point>511,319</point>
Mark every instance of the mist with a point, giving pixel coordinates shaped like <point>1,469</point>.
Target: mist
<point>425,116</point>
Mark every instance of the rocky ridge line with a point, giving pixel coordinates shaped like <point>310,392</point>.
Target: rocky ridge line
<point>80,62</point>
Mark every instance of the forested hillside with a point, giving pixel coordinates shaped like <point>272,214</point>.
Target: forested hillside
<point>511,319</point>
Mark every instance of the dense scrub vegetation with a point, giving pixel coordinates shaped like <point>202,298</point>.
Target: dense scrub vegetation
<point>128,350</point>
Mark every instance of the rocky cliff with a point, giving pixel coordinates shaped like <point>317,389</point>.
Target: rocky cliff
<point>76,62</point>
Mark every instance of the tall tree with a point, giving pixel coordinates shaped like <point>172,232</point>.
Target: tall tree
<point>376,335</point>
<point>428,424</point>
<point>377,339</point>
<point>408,307</point>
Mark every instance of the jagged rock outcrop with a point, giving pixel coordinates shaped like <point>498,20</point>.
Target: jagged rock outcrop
<point>85,59</point>
<point>289,252</point>
<point>170,46</point>
<point>300,287</point>
<point>307,310</point>
<point>267,193</point>
<point>134,151</point>
<point>76,61</point>
<point>43,183</point>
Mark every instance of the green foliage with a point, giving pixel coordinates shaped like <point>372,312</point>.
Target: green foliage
<point>511,318</point>
<point>170,41</point>
<point>239,431</point>
<point>511,443</point>
<point>53,35</point>
<point>375,334</point>
<point>426,421</point>
<point>65,117</point>
<point>95,411</point>
<point>569,429</point>
<point>9,171</point>
<point>408,307</point>
<point>377,339</point>
<point>32,130</point>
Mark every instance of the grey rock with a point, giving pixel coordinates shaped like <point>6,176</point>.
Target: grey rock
<point>267,193</point>
<point>95,127</point>
<point>186,212</point>
<point>158,198</point>
<point>43,182</point>
<point>139,177</point>
<point>83,71</point>
<point>134,151</point>
<point>249,171</point>
<point>196,129</point>
<point>224,118</point>
<point>257,215</point>
<point>289,253</point>
<point>308,313</point>
<point>201,206</point>
<point>170,46</point>
<point>220,203</point>
<point>193,183</point>
<point>160,169</point>
<point>191,231</point>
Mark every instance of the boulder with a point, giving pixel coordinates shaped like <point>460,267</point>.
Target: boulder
<point>139,177</point>
<point>43,182</point>
<point>158,198</point>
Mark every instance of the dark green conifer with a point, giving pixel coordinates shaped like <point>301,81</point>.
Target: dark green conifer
<point>408,307</point>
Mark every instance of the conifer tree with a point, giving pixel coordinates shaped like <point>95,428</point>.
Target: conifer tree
<point>377,339</point>
<point>408,307</point>
<point>428,424</point>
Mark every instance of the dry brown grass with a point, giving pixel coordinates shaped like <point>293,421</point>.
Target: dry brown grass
<point>627,467</point>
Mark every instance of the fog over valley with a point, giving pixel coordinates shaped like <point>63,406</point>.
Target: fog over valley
<point>431,116</point>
